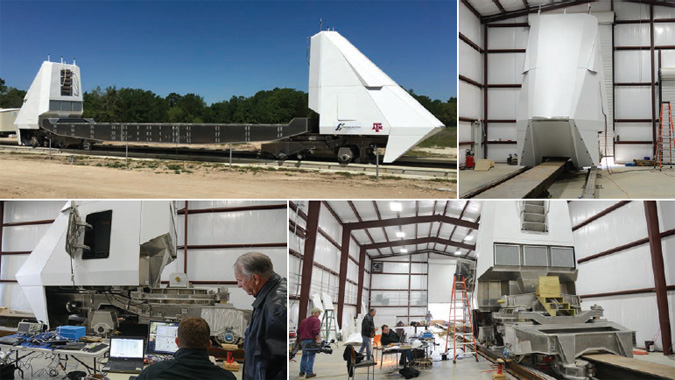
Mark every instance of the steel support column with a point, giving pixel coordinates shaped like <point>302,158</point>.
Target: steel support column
<point>484,132</point>
<point>185,238</point>
<point>653,90</point>
<point>656,251</point>
<point>308,257</point>
<point>2,224</point>
<point>344,265</point>
<point>362,270</point>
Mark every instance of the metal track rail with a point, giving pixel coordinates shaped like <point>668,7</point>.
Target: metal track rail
<point>589,187</point>
<point>515,369</point>
<point>247,159</point>
<point>529,183</point>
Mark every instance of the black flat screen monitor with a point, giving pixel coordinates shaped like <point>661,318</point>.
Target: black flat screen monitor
<point>162,337</point>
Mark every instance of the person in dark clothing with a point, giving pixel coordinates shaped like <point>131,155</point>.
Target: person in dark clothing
<point>368,330</point>
<point>389,337</point>
<point>265,351</point>
<point>191,361</point>
<point>309,332</point>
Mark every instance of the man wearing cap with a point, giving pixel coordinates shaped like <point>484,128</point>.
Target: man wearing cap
<point>308,333</point>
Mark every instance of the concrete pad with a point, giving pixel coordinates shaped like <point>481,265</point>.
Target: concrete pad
<point>334,367</point>
<point>614,183</point>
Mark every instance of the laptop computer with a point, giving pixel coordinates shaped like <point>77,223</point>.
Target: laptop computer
<point>126,355</point>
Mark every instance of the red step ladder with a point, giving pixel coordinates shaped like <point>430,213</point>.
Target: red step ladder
<point>459,322</point>
<point>664,139</point>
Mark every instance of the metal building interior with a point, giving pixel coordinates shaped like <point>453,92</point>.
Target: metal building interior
<point>637,39</point>
<point>209,236</point>
<point>400,258</point>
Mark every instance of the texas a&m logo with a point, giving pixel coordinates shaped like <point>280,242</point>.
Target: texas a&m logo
<point>377,127</point>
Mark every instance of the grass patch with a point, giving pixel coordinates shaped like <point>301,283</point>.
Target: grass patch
<point>443,139</point>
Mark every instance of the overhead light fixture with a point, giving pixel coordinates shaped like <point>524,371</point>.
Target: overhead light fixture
<point>403,250</point>
<point>396,206</point>
<point>458,252</point>
<point>468,238</point>
<point>400,234</point>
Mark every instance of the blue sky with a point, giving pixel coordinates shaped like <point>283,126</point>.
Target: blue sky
<point>218,49</point>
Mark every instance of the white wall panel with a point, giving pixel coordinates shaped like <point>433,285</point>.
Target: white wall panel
<point>396,267</point>
<point>441,273</point>
<point>226,203</point>
<point>507,38</point>
<point>666,215</point>
<point>664,34</point>
<point>634,131</point>
<point>499,153</point>
<point>615,225</point>
<point>627,153</point>
<point>472,62</point>
<point>216,264</point>
<point>10,265</point>
<point>630,11</point>
<point>502,132</point>
<point>581,211</point>
<point>23,238</point>
<point>668,247</point>
<point>26,211</point>
<point>632,66</point>
<point>631,269</point>
<point>11,296</point>
<point>633,102</point>
<point>631,35</point>
<point>505,68</point>
<point>326,253</point>
<point>329,224</point>
<point>469,25</point>
<point>502,103</point>
<point>418,282</point>
<point>237,227</point>
<point>470,101</point>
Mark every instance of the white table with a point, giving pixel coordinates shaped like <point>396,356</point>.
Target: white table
<point>18,349</point>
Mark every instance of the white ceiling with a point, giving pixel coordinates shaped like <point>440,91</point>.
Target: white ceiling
<point>368,211</point>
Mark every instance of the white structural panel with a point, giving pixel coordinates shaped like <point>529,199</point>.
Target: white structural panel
<point>620,66</point>
<point>203,265</point>
<point>441,273</point>
<point>354,97</point>
<point>628,269</point>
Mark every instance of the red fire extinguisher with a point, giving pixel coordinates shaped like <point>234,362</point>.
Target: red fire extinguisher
<point>469,159</point>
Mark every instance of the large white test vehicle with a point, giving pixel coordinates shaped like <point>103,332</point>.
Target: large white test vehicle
<point>526,292</point>
<point>360,108</point>
<point>100,264</point>
<point>563,105</point>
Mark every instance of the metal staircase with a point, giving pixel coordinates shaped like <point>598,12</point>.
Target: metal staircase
<point>534,216</point>
<point>66,82</point>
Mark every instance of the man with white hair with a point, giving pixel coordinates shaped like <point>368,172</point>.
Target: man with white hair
<point>265,350</point>
<point>309,332</point>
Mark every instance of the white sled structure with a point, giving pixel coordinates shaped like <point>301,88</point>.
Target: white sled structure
<point>563,104</point>
<point>56,92</point>
<point>354,97</point>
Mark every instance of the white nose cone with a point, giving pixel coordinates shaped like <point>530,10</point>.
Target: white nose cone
<point>353,96</point>
<point>562,104</point>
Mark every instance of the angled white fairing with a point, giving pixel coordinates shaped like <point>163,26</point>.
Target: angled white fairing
<point>56,92</point>
<point>354,97</point>
<point>563,105</point>
<point>141,242</point>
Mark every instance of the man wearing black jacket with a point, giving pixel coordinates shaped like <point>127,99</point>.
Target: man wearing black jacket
<point>191,361</point>
<point>265,351</point>
<point>368,330</point>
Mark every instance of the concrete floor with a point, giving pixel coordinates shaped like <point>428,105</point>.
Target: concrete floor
<point>618,182</point>
<point>334,367</point>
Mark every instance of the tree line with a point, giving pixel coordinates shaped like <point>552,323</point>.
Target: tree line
<point>279,105</point>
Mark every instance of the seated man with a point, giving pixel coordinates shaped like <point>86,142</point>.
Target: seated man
<point>390,337</point>
<point>191,361</point>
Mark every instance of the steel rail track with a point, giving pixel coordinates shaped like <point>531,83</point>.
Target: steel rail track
<point>247,158</point>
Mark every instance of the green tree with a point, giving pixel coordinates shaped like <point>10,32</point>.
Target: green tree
<point>10,97</point>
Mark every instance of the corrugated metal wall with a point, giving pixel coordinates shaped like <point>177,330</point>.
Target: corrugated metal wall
<point>325,273</point>
<point>629,269</point>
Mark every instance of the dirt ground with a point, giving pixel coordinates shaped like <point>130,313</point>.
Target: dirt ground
<point>36,176</point>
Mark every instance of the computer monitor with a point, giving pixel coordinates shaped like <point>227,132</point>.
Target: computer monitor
<point>126,347</point>
<point>162,337</point>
